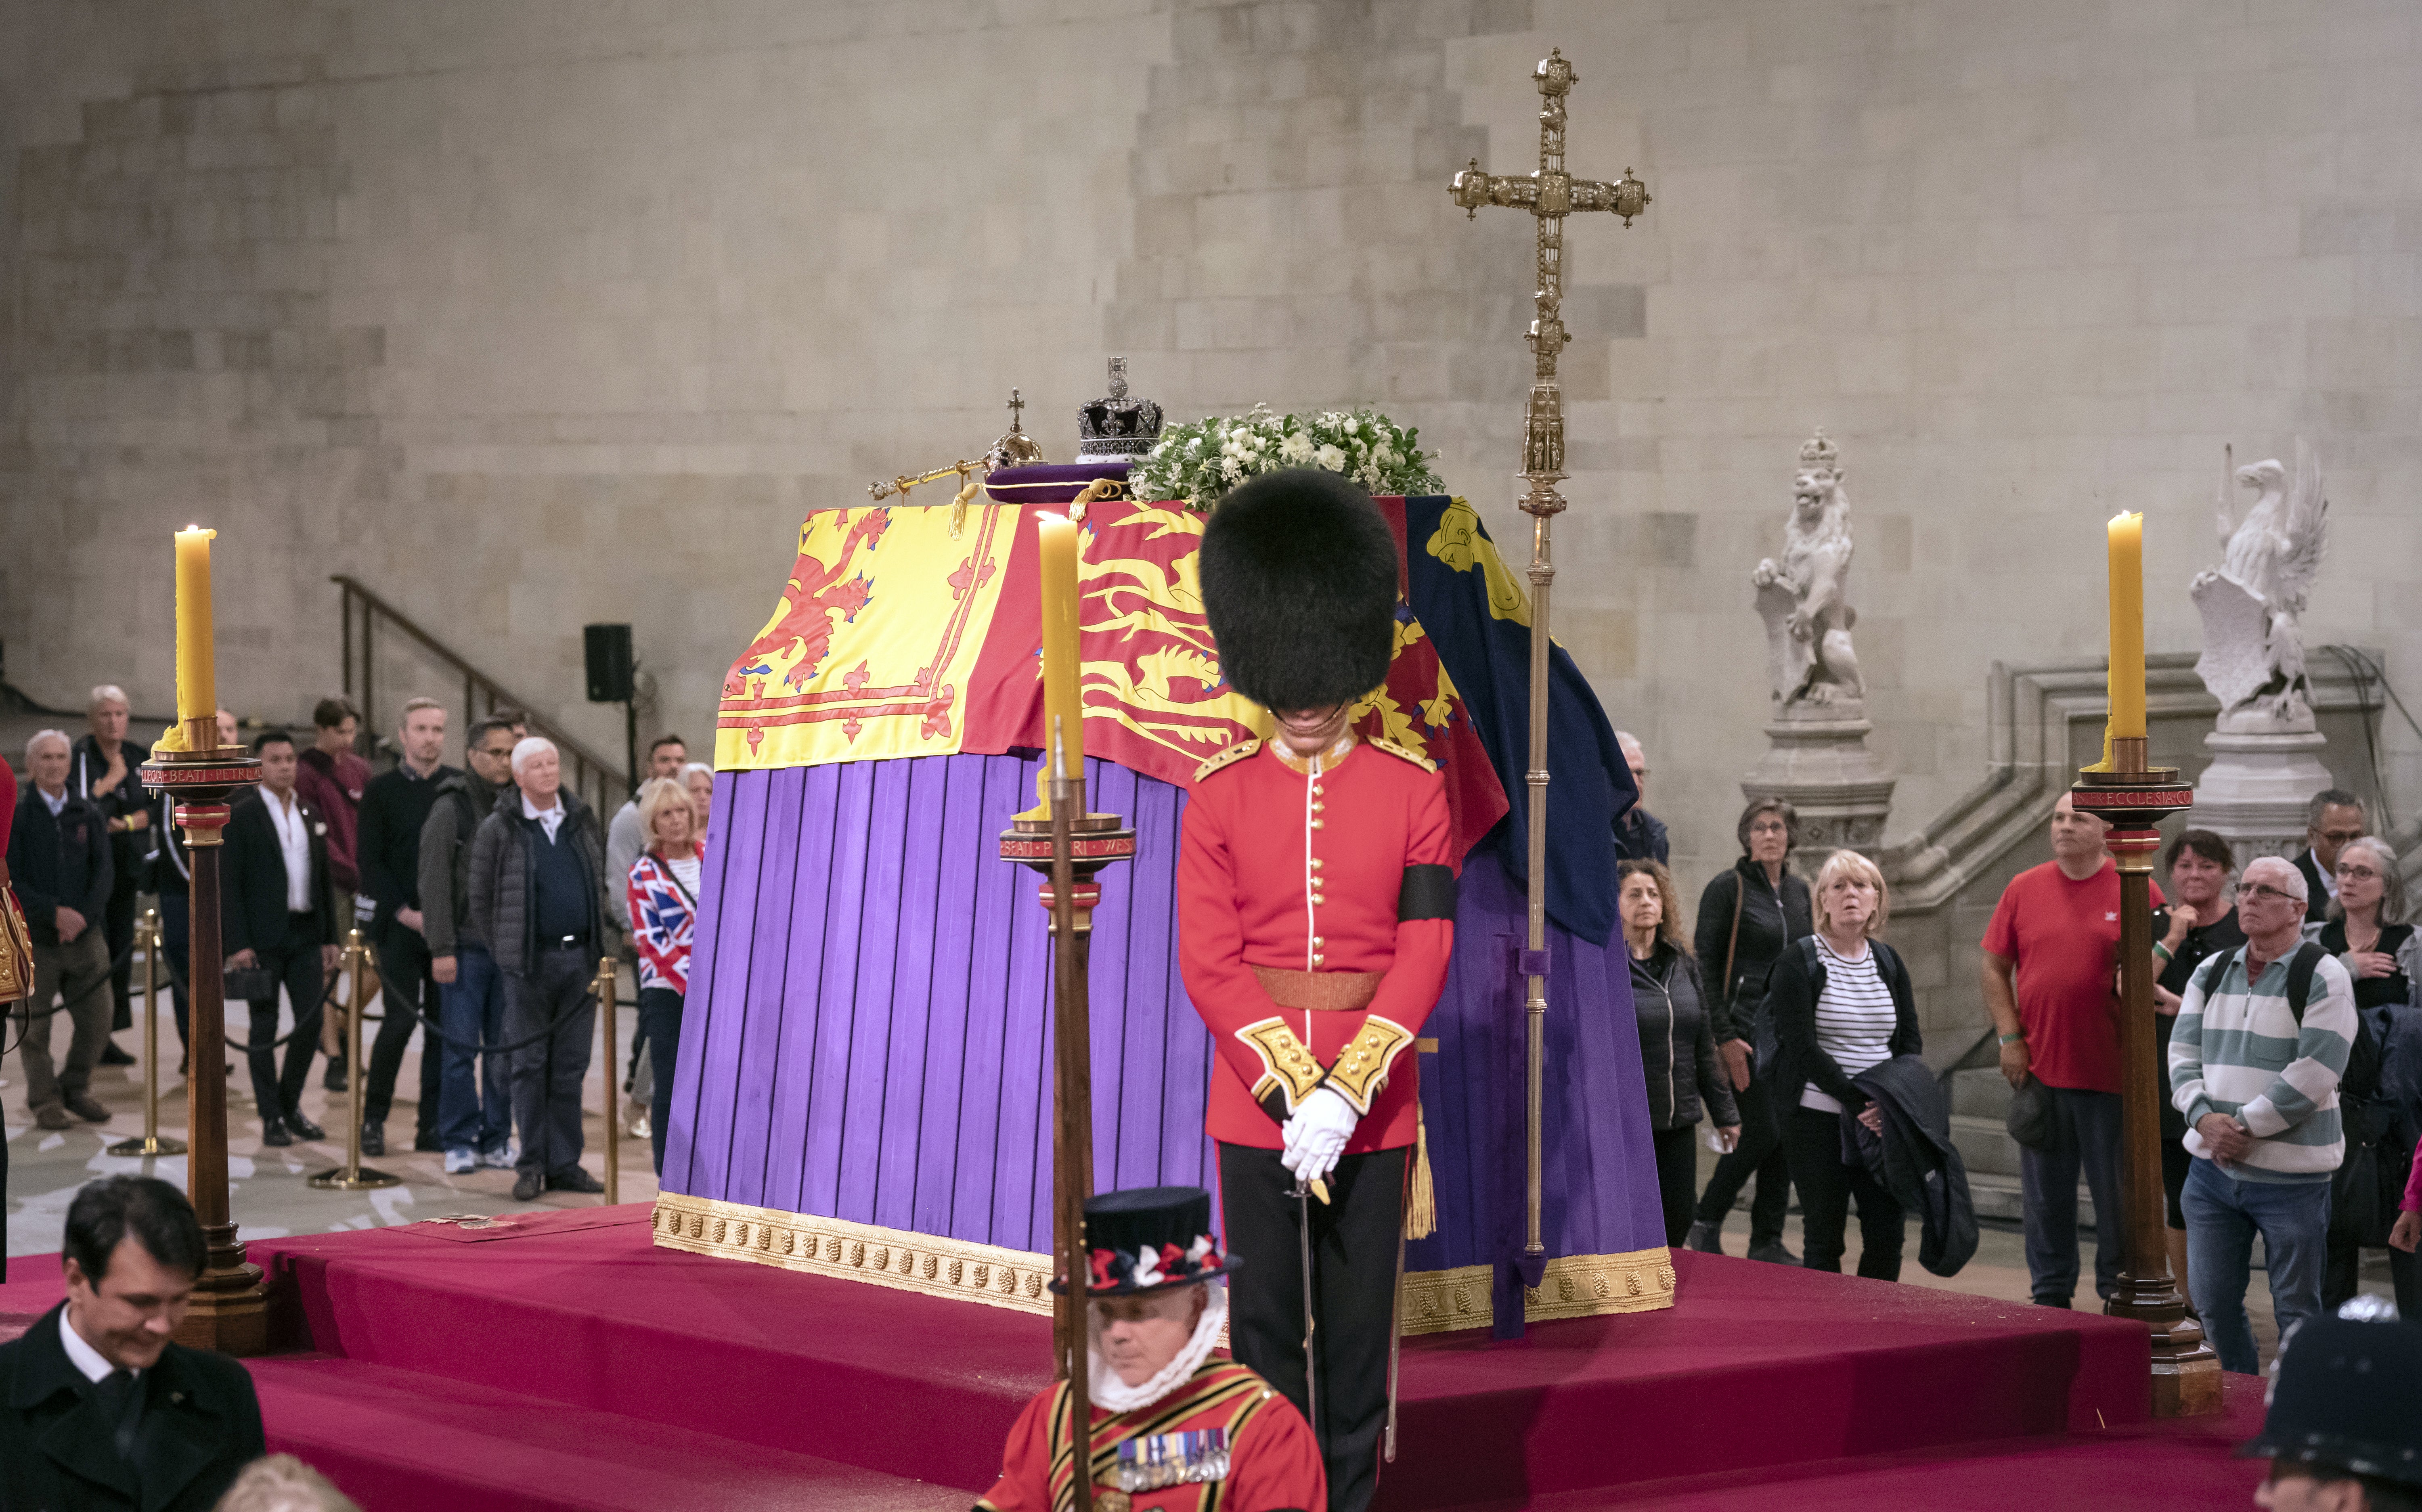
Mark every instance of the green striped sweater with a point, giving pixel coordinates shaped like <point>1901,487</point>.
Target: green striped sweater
<point>2237,1049</point>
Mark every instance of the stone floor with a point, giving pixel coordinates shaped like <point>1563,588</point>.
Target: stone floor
<point>269,1192</point>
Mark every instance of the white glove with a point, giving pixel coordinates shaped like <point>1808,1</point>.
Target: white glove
<point>1317,1134</point>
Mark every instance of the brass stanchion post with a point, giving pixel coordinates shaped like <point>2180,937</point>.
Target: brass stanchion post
<point>147,933</point>
<point>352,1176</point>
<point>2131,797</point>
<point>607,987</point>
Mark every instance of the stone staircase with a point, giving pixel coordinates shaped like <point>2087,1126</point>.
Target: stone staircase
<point>1980,1101</point>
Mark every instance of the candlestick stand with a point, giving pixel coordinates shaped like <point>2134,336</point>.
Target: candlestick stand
<point>1068,848</point>
<point>2133,797</point>
<point>147,933</point>
<point>230,1309</point>
<point>608,986</point>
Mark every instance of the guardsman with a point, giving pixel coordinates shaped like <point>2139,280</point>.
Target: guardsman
<point>2342,1432</point>
<point>1316,889</point>
<point>1177,1428</point>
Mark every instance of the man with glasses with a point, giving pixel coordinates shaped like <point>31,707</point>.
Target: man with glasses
<point>474,1099</point>
<point>2052,957</point>
<point>2261,1041</point>
<point>2333,817</point>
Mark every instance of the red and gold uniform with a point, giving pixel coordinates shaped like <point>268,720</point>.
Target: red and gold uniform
<point>1316,915</point>
<point>1223,1442</point>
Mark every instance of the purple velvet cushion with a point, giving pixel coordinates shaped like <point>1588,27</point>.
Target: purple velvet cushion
<point>1049,483</point>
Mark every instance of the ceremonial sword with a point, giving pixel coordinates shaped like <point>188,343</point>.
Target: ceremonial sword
<point>1302,1195</point>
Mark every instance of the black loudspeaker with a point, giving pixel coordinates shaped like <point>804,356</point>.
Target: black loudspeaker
<point>609,662</point>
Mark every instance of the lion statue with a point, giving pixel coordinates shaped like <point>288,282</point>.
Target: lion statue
<point>1802,597</point>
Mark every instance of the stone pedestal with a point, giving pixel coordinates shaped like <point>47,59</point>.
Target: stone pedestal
<point>2254,793</point>
<point>1816,758</point>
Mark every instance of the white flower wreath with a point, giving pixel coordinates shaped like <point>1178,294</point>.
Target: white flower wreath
<point>1201,462</point>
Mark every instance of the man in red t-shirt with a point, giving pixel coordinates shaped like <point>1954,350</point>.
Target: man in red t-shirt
<point>2052,957</point>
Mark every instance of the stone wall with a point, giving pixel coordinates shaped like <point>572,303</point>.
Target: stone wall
<point>547,312</point>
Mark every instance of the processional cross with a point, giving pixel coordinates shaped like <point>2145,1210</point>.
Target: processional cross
<point>1549,194</point>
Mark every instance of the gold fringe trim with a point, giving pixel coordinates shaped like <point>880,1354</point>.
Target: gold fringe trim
<point>1421,1204</point>
<point>1434,1301</point>
<point>983,1273</point>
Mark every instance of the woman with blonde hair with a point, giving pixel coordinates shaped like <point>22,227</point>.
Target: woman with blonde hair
<point>1677,1044</point>
<point>1843,1004</point>
<point>663,896</point>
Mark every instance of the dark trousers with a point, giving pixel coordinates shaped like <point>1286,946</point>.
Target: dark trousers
<point>1354,1246</point>
<point>405,988</point>
<point>2085,1137</point>
<point>297,970</point>
<point>547,1074</point>
<point>660,1016</point>
<point>118,928</point>
<point>1760,1155</point>
<point>1677,1177</point>
<point>1828,1184</point>
<point>70,983</point>
<point>176,939</point>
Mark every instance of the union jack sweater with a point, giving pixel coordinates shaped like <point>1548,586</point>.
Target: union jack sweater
<point>662,918</point>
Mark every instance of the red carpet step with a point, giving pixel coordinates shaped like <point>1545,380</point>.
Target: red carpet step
<point>563,1362</point>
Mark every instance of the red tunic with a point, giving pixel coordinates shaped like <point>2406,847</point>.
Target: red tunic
<point>1278,871</point>
<point>1273,1463</point>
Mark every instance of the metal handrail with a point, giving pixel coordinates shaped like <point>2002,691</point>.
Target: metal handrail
<point>597,780</point>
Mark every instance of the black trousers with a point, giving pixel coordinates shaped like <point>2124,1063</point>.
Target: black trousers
<point>297,970</point>
<point>1677,1177</point>
<point>118,926</point>
<point>1354,1246</point>
<point>1760,1155</point>
<point>175,919</point>
<point>547,1072</point>
<point>2342,1276</point>
<point>660,1016</point>
<point>405,988</point>
<point>1827,1183</point>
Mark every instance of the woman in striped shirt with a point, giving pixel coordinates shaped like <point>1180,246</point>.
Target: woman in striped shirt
<point>1842,1002</point>
<point>662,893</point>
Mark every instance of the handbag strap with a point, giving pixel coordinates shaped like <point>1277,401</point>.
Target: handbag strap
<point>1731,946</point>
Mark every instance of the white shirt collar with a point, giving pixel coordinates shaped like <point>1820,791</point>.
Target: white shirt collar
<point>550,819</point>
<point>2329,877</point>
<point>55,805</point>
<point>91,1362</point>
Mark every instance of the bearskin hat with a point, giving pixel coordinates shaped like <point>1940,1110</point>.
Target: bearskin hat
<point>1300,584</point>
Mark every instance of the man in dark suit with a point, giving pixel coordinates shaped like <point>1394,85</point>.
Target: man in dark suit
<point>2332,818</point>
<point>98,1408</point>
<point>279,916</point>
<point>104,773</point>
<point>58,858</point>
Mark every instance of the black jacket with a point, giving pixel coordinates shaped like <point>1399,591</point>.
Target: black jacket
<point>61,862</point>
<point>1915,1160</point>
<point>395,809</point>
<point>1791,993</point>
<point>1640,836</point>
<point>252,905</point>
<point>1677,1045</point>
<point>1769,919</point>
<point>503,869</point>
<point>201,1426</point>
<point>88,763</point>
<point>2317,892</point>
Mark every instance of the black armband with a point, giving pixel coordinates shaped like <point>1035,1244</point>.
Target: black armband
<point>1428,892</point>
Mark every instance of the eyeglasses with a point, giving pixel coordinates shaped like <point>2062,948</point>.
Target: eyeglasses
<point>2258,892</point>
<point>2357,873</point>
<point>1774,827</point>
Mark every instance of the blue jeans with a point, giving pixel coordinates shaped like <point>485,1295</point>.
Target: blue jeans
<point>660,1016</point>
<point>2223,1214</point>
<point>475,1107</point>
<point>2085,1137</point>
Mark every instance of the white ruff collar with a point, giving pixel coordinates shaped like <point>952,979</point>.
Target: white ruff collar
<point>1115,1395</point>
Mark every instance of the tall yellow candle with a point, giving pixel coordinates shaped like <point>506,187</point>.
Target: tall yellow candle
<point>2127,626</point>
<point>198,694</point>
<point>1062,661</point>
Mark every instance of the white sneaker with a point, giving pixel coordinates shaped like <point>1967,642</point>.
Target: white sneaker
<point>504,1160</point>
<point>459,1161</point>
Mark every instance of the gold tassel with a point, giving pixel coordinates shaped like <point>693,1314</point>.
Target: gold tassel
<point>959,505</point>
<point>1421,1207</point>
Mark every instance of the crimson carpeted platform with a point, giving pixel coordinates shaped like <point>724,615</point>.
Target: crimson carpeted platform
<point>567,1364</point>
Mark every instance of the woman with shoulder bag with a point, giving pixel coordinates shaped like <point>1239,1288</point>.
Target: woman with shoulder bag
<point>1677,1045</point>
<point>2370,932</point>
<point>1747,916</point>
<point>663,893</point>
<point>1842,1003</point>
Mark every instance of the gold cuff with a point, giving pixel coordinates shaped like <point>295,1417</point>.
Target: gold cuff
<point>1360,1073</point>
<point>1286,1062</point>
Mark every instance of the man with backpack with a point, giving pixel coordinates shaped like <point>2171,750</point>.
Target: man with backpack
<point>2263,1036</point>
